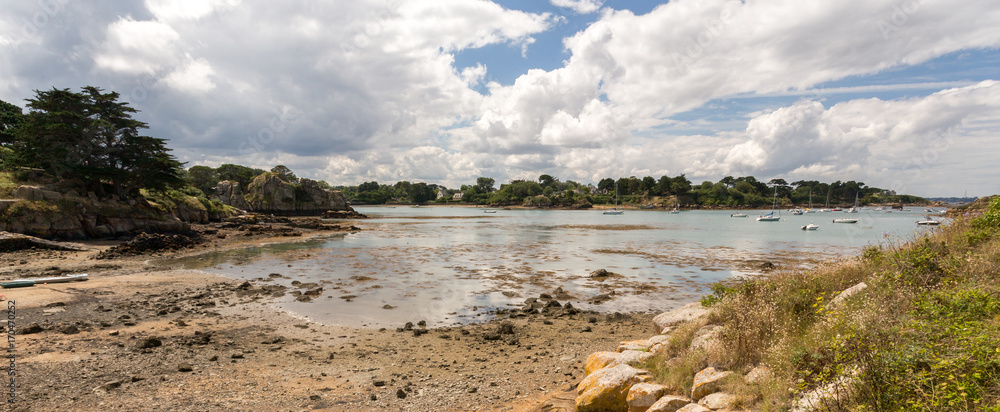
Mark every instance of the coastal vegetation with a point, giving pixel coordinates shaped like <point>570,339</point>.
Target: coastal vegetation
<point>922,331</point>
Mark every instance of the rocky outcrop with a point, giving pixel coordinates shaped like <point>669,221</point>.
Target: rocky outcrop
<point>267,193</point>
<point>37,193</point>
<point>52,215</point>
<point>229,193</point>
<point>314,198</point>
<point>598,391</point>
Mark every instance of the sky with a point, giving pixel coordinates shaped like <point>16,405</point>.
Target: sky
<point>901,95</point>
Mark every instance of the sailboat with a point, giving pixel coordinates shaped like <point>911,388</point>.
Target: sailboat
<point>854,209</point>
<point>615,211</point>
<point>770,217</point>
<point>674,210</point>
<point>826,208</point>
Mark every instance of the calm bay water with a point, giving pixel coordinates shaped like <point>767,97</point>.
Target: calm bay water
<point>451,265</point>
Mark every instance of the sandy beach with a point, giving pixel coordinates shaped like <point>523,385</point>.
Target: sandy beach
<point>138,335</point>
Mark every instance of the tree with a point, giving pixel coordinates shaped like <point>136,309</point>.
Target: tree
<point>284,173</point>
<point>648,184</point>
<point>368,186</point>
<point>680,185</point>
<point>90,139</point>
<point>606,184</point>
<point>546,180</point>
<point>237,173</point>
<point>485,184</point>
<point>204,178</point>
<point>11,118</point>
<point>421,192</point>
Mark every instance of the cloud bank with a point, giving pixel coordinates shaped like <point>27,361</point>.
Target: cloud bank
<point>370,90</point>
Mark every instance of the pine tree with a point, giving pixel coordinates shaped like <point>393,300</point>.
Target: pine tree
<point>91,139</point>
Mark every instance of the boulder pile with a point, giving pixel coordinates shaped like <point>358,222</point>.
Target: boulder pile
<point>614,381</point>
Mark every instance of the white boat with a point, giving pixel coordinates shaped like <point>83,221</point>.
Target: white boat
<point>928,222</point>
<point>770,217</point>
<point>489,211</point>
<point>810,226</point>
<point>845,220</point>
<point>738,215</point>
<point>615,211</point>
<point>796,211</point>
<point>674,210</point>
<point>878,209</point>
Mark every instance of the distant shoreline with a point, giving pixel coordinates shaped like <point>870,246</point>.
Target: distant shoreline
<point>627,208</point>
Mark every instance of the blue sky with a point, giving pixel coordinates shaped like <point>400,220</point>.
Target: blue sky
<point>900,95</point>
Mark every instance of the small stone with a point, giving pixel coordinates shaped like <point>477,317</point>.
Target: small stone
<point>149,343</point>
<point>111,385</point>
<point>184,367</point>
<point>379,383</point>
<point>237,355</point>
<point>401,394</point>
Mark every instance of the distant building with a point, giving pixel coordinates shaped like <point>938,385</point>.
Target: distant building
<point>457,196</point>
<point>441,194</point>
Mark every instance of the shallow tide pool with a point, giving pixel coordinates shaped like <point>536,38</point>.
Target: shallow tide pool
<point>452,265</point>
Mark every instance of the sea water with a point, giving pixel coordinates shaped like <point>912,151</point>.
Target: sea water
<point>455,265</point>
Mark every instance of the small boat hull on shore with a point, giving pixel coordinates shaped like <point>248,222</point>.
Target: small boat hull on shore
<point>21,283</point>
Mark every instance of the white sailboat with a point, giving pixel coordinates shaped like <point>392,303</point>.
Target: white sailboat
<point>674,210</point>
<point>810,226</point>
<point>615,211</point>
<point>770,217</point>
<point>854,209</point>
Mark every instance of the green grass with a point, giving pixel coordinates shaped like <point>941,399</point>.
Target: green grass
<point>8,184</point>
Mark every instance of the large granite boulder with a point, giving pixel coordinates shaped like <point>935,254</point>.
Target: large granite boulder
<point>643,395</point>
<point>607,389</point>
<point>600,360</point>
<point>315,198</point>
<point>229,193</point>
<point>669,403</point>
<point>664,322</point>
<point>268,193</point>
<point>708,381</point>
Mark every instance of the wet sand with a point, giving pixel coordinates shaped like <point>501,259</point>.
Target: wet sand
<point>143,335</point>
